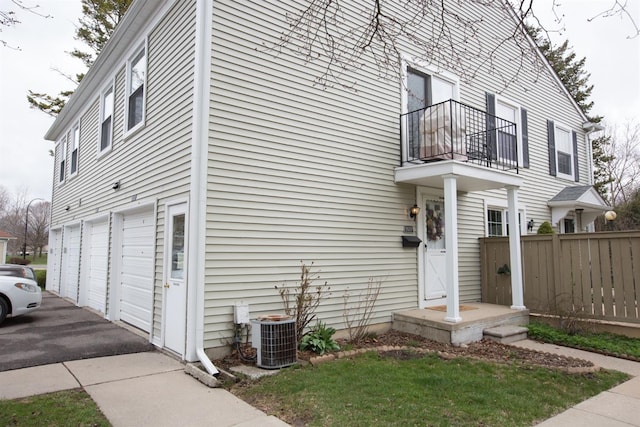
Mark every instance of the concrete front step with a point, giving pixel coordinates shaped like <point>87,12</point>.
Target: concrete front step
<point>476,318</point>
<point>506,334</point>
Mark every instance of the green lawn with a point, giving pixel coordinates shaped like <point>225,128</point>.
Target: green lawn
<point>420,390</point>
<point>64,408</point>
<point>611,344</point>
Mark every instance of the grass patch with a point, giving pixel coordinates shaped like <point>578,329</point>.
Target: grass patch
<point>372,389</point>
<point>606,343</point>
<point>64,408</point>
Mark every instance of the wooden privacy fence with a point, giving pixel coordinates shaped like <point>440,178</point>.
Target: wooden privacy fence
<point>592,274</point>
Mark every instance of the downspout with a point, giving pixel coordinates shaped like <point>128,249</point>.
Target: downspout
<point>198,181</point>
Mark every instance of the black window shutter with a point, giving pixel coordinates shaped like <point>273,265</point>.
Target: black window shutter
<point>576,173</point>
<point>551,137</point>
<point>525,138</point>
<point>491,125</point>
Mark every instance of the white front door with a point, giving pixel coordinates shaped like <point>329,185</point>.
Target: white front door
<point>435,249</point>
<point>175,286</point>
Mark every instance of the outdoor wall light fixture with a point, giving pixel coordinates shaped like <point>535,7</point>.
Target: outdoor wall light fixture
<point>530,225</point>
<point>414,211</point>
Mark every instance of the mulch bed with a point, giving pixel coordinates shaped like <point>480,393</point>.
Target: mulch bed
<point>401,345</point>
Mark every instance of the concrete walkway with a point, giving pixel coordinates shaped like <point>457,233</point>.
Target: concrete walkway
<point>152,389</point>
<point>617,407</point>
<point>142,389</point>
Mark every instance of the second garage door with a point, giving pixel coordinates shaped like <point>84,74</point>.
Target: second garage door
<point>136,269</point>
<point>98,259</point>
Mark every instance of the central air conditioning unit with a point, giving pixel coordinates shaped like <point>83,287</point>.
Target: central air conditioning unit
<point>275,341</point>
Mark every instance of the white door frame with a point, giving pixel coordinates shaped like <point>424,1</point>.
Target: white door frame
<point>175,288</point>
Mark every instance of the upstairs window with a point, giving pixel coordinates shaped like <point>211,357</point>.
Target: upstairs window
<point>507,144</point>
<point>75,145</point>
<point>62,160</point>
<point>106,120</point>
<point>563,149</point>
<point>136,79</point>
<point>425,89</point>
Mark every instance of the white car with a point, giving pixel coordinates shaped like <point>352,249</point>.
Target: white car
<point>18,295</point>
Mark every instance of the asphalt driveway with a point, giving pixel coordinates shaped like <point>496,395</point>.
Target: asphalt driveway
<point>59,332</point>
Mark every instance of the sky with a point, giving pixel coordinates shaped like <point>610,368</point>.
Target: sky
<point>37,47</point>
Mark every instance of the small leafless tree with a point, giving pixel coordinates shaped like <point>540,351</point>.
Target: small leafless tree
<point>358,315</point>
<point>624,168</point>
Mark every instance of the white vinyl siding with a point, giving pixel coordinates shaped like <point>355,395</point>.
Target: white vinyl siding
<point>298,173</point>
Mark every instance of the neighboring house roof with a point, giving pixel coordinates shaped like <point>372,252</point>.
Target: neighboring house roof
<point>6,236</point>
<point>576,197</point>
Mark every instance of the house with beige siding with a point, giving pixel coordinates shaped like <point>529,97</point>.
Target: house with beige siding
<point>195,169</point>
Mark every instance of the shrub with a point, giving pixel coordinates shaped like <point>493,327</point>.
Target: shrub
<point>19,261</point>
<point>319,339</point>
<point>545,228</point>
<point>306,299</point>
<point>41,278</point>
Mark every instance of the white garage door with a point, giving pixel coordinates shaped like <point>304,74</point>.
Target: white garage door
<point>136,269</point>
<point>54,261</point>
<point>70,262</point>
<point>98,258</point>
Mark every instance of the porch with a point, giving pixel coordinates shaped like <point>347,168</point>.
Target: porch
<point>449,148</point>
<point>477,317</point>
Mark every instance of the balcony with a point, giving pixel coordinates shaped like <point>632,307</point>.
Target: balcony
<point>453,138</point>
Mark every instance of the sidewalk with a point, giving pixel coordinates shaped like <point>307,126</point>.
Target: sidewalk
<point>152,389</point>
<point>138,390</point>
<point>617,407</point>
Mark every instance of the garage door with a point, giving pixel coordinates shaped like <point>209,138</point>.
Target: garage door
<point>70,262</point>
<point>136,269</point>
<point>54,261</point>
<point>97,262</point>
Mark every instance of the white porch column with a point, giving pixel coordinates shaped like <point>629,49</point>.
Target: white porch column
<point>515,257</point>
<point>451,236</point>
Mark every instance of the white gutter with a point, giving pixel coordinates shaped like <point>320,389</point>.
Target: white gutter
<point>198,184</point>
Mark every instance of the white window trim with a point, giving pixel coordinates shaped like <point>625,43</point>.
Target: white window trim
<point>570,177</point>
<point>72,143</point>
<point>62,147</point>
<point>127,131</point>
<point>502,205</point>
<point>107,149</point>
<point>518,123</point>
<point>423,67</point>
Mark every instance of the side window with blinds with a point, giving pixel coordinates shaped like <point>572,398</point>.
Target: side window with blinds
<point>563,151</point>
<point>505,144</point>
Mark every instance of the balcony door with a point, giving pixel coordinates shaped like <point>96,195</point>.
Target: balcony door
<point>432,215</point>
<point>423,90</point>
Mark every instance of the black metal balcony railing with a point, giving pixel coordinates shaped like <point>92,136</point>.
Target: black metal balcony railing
<point>452,130</point>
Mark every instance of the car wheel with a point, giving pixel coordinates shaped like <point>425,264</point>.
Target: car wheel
<point>4,309</point>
